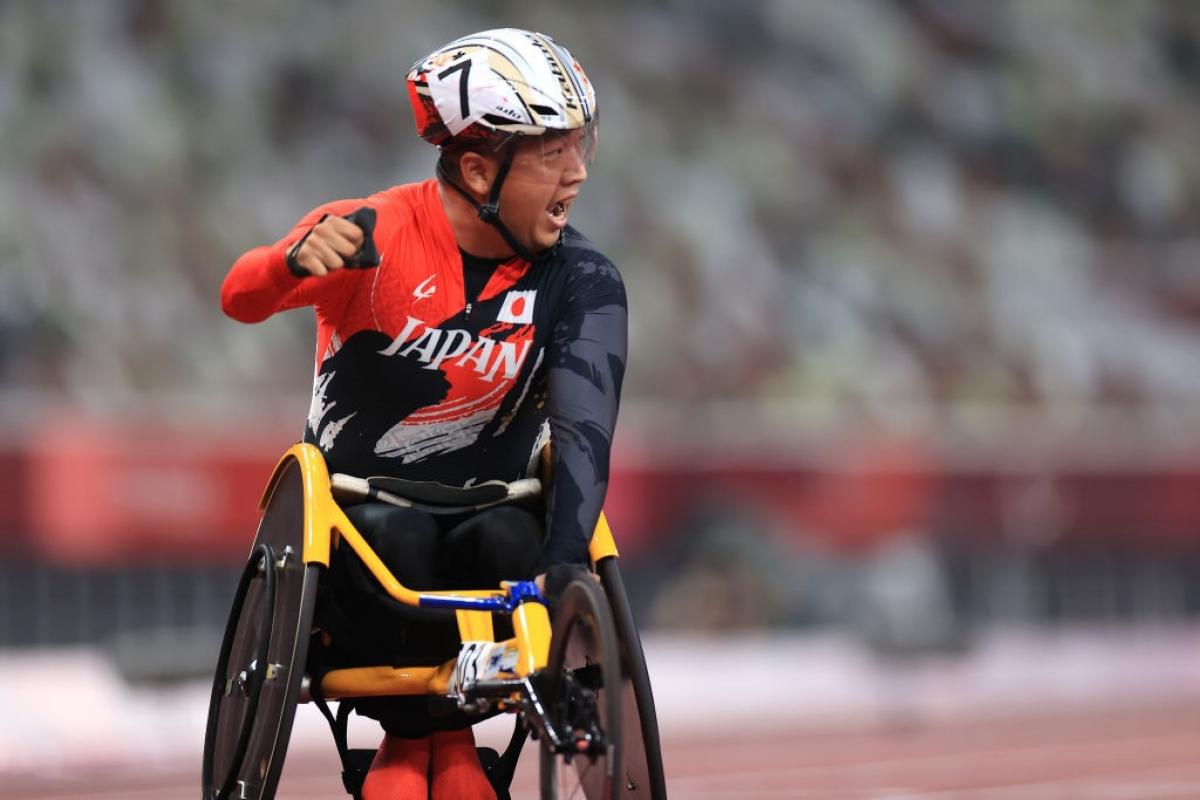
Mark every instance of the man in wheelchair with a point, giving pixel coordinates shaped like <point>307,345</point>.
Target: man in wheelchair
<point>462,324</point>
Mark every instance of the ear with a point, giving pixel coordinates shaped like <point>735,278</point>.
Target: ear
<point>477,171</point>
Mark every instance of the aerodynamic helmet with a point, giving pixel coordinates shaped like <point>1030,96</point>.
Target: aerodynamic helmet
<point>489,89</point>
<point>499,83</point>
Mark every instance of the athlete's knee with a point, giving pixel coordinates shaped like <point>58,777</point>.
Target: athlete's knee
<point>405,540</point>
<point>506,530</point>
<point>509,542</point>
<point>380,523</point>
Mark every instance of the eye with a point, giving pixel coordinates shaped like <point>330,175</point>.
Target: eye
<point>554,152</point>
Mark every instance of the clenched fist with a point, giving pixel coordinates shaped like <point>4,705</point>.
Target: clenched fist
<point>336,243</point>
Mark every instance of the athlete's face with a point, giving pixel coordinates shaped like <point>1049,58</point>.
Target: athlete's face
<point>546,175</point>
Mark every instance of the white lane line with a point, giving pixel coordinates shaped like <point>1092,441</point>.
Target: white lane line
<point>829,747</point>
<point>953,759</point>
<point>1125,785</point>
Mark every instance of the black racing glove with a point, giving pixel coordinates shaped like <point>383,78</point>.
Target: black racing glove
<point>558,577</point>
<point>367,256</point>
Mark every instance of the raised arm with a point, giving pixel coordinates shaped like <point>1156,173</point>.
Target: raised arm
<point>264,281</point>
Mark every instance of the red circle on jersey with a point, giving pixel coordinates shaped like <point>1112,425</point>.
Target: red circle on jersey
<point>518,307</point>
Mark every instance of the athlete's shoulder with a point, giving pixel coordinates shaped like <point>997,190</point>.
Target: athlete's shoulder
<point>574,245</point>
<point>588,276</point>
<point>410,216</point>
<point>582,258</point>
<point>404,199</point>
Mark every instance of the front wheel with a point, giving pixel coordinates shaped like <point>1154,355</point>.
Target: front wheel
<point>584,700</point>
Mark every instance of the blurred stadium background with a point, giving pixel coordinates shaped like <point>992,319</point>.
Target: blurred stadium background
<point>915,337</point>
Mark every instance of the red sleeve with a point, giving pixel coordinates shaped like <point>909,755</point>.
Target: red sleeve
<point>259,284</point>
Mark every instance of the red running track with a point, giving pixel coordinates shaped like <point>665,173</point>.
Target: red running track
<point>1131,755</point>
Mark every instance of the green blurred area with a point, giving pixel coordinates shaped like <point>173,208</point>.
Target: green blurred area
<point>916,214</point>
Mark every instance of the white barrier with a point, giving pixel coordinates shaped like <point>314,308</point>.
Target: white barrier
<point>68,711</point>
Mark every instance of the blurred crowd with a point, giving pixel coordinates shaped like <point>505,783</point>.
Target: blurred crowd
<point>903,211</point>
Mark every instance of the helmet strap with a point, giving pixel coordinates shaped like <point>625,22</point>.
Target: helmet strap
<point>489,212</point>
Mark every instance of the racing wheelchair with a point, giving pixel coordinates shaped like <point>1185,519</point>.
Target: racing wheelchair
<point>577,683</point>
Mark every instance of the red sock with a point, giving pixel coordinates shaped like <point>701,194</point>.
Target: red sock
<point>400,770</point>
<point>457,773</point>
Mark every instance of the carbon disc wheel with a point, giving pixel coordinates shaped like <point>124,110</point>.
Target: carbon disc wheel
<point>240,673</point>
<point>261,663</point>
<point>585,700</point>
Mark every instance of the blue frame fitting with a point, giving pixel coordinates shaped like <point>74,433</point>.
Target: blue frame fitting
<point>518,592</point>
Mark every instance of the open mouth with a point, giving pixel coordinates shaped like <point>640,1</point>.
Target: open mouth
<point>558,212</point>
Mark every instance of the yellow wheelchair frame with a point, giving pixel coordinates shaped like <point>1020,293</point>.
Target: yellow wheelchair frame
<point>262,669</point>
<point>325,523</point>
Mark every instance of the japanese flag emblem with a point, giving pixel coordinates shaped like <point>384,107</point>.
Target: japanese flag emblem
<point>517,308</point>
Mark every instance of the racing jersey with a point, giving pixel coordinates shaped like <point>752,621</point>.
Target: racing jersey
<point>417,380</point>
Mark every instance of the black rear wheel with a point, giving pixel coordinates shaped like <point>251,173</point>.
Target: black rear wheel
<point>644,776</point>
<point>583,699</point>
